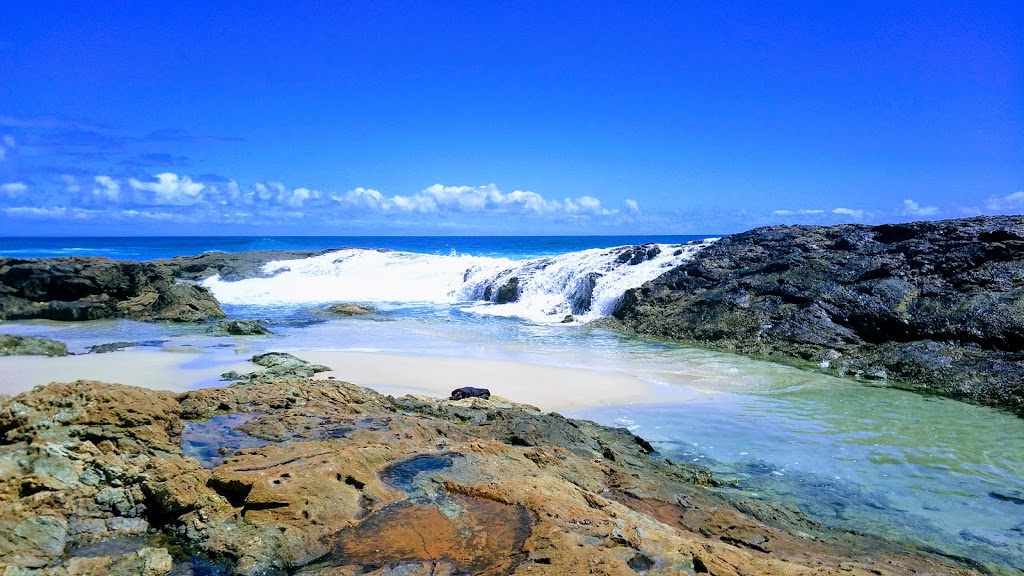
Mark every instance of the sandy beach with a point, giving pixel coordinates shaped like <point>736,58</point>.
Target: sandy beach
<point>547,387</point>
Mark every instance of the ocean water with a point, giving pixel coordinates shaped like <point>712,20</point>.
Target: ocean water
<point>944,474</point>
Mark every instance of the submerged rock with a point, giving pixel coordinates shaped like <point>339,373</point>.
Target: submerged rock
<point>239,328</point>
<point>934,305</point>
<point>348,309</point>
<point>116,346</point>
<point>94,288</point>
<point>353,482</point>
<point>31,346</point>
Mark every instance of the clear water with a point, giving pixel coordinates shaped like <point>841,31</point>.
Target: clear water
<point>938,472</point>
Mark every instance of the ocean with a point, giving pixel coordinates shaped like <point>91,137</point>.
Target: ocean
<point>856,456</point>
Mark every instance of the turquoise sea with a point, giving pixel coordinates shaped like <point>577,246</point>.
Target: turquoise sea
<point>944,474</point>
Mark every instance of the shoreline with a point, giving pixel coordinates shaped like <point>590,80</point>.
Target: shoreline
<point>544,386</point>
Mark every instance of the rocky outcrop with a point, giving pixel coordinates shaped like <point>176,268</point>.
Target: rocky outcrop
<point>94,288</point>
<point>31,346</point>
<point>349,482</point>
<point>239,328</point>
<point>348,309</point>
<point>937,306</point>
<point>230,266</point>
<point>277,365</point>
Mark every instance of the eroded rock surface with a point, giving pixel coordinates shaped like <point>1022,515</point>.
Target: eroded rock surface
<point>94,288</point>
<point>31,346</point>
<point>239,328</point>
<point>353,482</point>
<point>936,305</point>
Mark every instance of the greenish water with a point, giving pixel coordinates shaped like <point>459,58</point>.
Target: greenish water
<point>944,474</point>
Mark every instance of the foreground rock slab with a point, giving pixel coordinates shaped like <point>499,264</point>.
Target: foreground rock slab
<point>347,481</point>
<point>937,306</point>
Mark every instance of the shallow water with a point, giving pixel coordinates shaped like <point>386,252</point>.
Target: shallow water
<point>939,472</point>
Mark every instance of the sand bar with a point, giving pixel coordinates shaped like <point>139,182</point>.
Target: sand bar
<point>547,387</point>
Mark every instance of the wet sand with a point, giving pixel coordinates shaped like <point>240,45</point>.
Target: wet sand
<point>547,387</point>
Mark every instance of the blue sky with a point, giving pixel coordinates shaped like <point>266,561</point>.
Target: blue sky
<point>504,118</point>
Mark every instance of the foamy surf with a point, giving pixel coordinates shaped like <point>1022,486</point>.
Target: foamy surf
<point>584,285</point>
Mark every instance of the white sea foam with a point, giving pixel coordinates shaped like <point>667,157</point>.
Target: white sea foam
<point>586,284</point>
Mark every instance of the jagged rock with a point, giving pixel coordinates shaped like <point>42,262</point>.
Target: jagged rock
<point>508,292</point>
<point>637,254</point>
<point>116,346</point>
<point>31,346</point>
<point>94,288</point>
<point>348,309</point>
<point>278,365</point>
<point>230,266</point>
<point>239,328</point>
<point>933,305</point>
<point>354,482</point>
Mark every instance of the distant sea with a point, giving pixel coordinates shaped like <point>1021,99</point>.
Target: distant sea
<point>934,471</point>
<point>149,248</point>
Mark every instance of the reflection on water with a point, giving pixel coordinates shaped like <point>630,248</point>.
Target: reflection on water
<point>944,473</point>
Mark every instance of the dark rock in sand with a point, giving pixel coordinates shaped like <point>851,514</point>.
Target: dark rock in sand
<point>31,346</point>
<point>94,288</point>
<point>470,392</point>
<point>348,309</point>
<point>937,306</point>
<point>277,366</point>
<point>239,328</point>
<point>116,346</point>
<point>353,482</point>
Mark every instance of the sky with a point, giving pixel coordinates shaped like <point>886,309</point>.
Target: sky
<point>504,118</point>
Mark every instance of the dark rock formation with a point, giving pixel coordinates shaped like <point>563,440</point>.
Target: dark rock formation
<point>31,346</point>
<point>118,346</point>
<point>239,328</point>
<point>230,266</point>
<point>637,254</point>
<point>94,288</point>
<point>277,365</point>
<point>352,482</point>
<point>935,305</point>
<point>508,292</point>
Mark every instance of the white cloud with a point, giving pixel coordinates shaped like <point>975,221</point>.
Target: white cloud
<point>170,189</point>
<point>472,200</point>
<point>13,188</point>
<point>34,212</point>
<point>796,212</point>
<point>854,214</point>
<point>632,206</point>
<point>107,189</point>
<point>6,143</point>
<point>912,208</point>
<point>70,183</point>
<point>1009,203</point>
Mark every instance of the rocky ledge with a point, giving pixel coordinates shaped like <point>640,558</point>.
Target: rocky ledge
<point>937,306</point>
<point>94,288</point>
<point>321,478</point>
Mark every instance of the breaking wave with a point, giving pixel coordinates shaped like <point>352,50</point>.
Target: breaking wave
<point>584,285</point>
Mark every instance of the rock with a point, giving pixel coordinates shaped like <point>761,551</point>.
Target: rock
<point>230,266</point>
<point>94,288</point>
<point>239,328</point>
<point>31,346</point>
<point>937,306</point>
<point>347,309</point>
<point>353,482</point>
<point>508,292</point>
<point>278,365</point>
<point>637,254</point>
<point>470,392</point>
<point>116,346</point>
